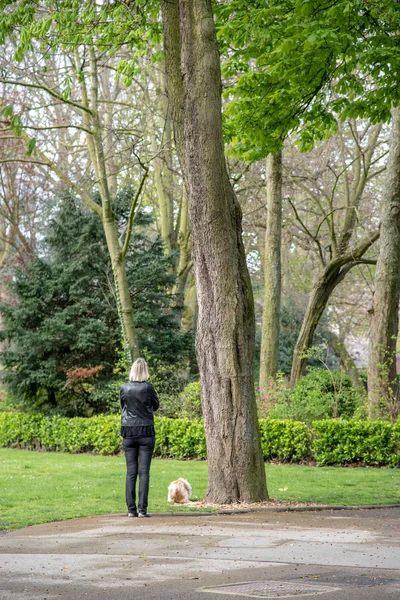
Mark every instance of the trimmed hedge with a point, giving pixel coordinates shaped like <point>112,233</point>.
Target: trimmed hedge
<point>285,440</point>
<point>367,442</point>
<point>330,442</point>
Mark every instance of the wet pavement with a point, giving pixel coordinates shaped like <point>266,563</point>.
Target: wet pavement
<point>340,555</point>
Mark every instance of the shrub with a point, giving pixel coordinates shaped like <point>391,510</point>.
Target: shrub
<point>169,405</point>
<point>284,440</point>
<point>321,394</point>
<point>182,405</point>
<point>190,401</point>
<point>396,438</point>
<point>106,395</point>
<point>343,442</point>
<point>271,395</point>
<point>180,438</point>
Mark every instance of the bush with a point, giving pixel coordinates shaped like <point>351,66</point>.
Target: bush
<point>271,395</point>
<point>185,404</point>
<point>177,438</point>
<point>284,440</point>
<point>21,430</point>
<point>190,401</point>
<point>342,442</point>
<point>336,442</point>
<point>321,394</point>
<point>180,438</point>
<point>106,395</point>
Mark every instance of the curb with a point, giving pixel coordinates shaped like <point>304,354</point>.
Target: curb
<point>239,511</point>
<point>320,508</point>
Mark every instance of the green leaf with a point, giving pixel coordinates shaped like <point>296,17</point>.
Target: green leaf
<point>31,146</point>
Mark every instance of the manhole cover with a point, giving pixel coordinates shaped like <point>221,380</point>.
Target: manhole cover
<point>271,589</point>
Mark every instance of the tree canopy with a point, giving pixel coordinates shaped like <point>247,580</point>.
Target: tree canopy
<point>299,65</point>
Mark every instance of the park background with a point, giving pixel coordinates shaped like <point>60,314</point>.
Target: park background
<point>100,214</point>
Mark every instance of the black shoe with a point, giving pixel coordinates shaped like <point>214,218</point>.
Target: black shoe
<point>132,514</point>
<point>142,514</point>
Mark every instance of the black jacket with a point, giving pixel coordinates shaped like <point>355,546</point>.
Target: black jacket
<point>138,402</point>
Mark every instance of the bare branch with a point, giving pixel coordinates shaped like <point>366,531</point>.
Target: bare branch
<point>49,91</point>
<point>128,230</point>
<point>307,231</point>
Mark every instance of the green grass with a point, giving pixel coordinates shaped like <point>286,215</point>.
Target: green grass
<point>40,487</point>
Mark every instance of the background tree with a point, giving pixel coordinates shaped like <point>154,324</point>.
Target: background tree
<point>336,196</point>
<point>297,66</point>
<point>62,318</point>
<point>272,271</point>
<point>81,101</point>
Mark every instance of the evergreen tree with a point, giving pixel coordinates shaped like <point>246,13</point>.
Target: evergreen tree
<point>62,326</point>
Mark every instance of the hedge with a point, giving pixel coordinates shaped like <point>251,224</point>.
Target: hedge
<point>373,443</point>
<point>330,442</point>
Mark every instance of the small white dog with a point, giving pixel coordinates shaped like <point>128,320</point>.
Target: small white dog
<point>179,491</point>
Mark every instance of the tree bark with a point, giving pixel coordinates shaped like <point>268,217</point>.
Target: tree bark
<point>382,392</point>
<point>189,313</point>
<point>272,271</point>
<point>123,298</point>
<point>184,265</point>
<point>163,165</point>
<point>225,324</point>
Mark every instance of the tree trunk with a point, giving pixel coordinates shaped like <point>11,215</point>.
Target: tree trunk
<point>316,305</point>
<point>349,367</point>
<point>5,248</point>
<point>185,262</point>
<point>382,393</point>
<point>123,298</point>
<point>163,173</point>
<point>272,271</point>
<point>189,313</point>
<point>95,146</point>
<point>225,325</point>
<point>333,274</point>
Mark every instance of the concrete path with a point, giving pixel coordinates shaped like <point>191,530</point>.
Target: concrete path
<point>340,555</point>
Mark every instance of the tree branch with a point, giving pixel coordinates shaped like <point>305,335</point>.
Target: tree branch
<point>80,127</point>
<point>128,230</point>
<point>22,160</point>
<point>49,91</point>
<point>355,254</point>
<point>307,231</point>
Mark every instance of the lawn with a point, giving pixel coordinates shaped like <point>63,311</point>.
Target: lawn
<point>38,487</point>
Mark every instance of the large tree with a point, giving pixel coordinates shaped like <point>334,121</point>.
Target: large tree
<point>75,99</point>
<point>225,326</point>
<point>298,66</point>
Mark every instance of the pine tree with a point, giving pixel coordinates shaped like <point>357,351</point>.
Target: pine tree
<point>62,326</point>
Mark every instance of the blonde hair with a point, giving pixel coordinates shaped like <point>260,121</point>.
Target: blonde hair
<point>139,370</point>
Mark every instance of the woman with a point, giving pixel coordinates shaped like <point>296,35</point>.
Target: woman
<point>138,401</point>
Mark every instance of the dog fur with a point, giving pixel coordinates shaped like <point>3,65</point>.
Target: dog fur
<point>179,491</point>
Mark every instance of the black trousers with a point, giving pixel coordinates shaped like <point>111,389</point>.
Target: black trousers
<point>138,454</point>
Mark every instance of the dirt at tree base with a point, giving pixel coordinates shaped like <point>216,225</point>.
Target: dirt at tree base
<point>251,505</point>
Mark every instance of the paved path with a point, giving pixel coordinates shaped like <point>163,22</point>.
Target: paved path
<point>340,555</point>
